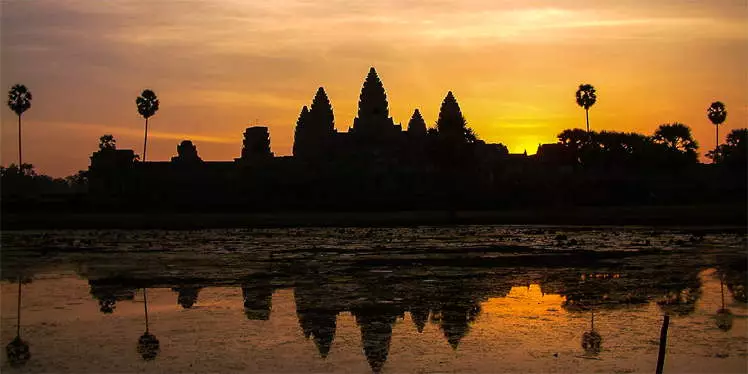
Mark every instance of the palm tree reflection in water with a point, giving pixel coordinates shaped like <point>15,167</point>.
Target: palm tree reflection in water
<point>724,316</point>
<point>148,346</point>
<point>591,340</point>
<point>18,350</point>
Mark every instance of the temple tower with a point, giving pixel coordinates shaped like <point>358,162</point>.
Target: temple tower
<point>315,128</point>
<point>373,123</point>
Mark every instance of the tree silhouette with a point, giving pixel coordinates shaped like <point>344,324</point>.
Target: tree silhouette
<point>735,150</point>
<point>575,140</point>
<point>19,101</point>
<point>677,138</point>
<point>717,114</point>
<point>107,141</point>
<point>586,98</point>
<point>416,125</point>
<point>147,104</point>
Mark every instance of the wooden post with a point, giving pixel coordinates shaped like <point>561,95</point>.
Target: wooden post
<point>663,345</point>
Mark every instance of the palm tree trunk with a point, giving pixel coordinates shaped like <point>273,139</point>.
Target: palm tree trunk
<point>20,153</point>
<point>18,314</point>
<point>587,114</point>
<point>145,303</point>
<point>716,144</point>
<point>145,141</point>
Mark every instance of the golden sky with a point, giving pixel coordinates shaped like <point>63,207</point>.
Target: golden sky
<point>220,66</point>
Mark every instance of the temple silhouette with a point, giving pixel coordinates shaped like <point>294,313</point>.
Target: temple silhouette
<point>379,164</point>
<point>376,163</point>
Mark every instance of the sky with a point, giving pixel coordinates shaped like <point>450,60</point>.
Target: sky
<point>221,66</point>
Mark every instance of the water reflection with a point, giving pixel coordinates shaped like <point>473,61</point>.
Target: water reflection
<point>419,315</point>
<point>187,295</point>
<point>109,293</point>
<point>258,301</point>
<point>18,351</point>
<point>148,345</point>
<point>317,320</point>
<point>376,323</point>
<point>447,300</point>
<point>592,340</point>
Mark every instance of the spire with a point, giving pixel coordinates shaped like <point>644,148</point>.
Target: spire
<point>300,126</point>
<point>321,114</point>
<point>373,99</point>
<point>417,125</point>
<point>302,117</point>
<point>451,123</point>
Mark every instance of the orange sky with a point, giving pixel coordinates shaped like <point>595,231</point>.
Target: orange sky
<point>219,66</point>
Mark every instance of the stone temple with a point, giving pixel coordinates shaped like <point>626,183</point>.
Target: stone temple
<point>375,163</point>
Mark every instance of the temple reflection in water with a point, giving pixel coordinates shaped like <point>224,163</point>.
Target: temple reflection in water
<point>332,304</point>
<point>451,302</point>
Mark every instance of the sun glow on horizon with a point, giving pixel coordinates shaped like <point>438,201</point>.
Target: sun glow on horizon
<point>523,301</point>
<point>218,67</point>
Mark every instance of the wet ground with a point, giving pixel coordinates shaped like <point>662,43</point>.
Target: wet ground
<point>479,299</point>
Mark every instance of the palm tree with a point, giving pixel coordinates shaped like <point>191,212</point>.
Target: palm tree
<point>586,97</point>
<point>147,104</point>
<point>717,114</point>
<point>19,101</point>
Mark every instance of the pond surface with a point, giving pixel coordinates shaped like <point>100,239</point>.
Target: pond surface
<point>480,299</point>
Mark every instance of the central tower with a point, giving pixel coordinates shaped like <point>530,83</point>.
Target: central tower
<point>373,123</point>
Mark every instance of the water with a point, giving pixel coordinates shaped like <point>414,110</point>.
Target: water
<point>480,299</point>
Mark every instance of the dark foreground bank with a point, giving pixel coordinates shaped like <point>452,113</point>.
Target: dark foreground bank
<point>702,215</point>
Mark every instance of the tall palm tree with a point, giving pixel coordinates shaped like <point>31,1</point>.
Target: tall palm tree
<point>717,114</point>
<point>147,104</point>
<point>586,97</point>
<point>19,101</point>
